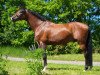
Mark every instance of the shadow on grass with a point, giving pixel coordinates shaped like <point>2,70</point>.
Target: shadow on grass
<point>96,69</point>
<point>64,69</point>
<point>75,69</point>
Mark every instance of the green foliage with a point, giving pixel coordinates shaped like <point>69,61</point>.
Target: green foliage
<point>96,38</point>
<point>70,48</point>
<point>14,51</point>
<point>25,39</point>
<point>35,64</point>
<point>58,11</point>
<point>2,66</point>
<point>20,68</point>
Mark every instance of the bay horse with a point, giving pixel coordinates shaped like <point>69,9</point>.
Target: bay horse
<point>49,33</point>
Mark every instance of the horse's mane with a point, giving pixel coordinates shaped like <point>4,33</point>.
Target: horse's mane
<point>37,15</point>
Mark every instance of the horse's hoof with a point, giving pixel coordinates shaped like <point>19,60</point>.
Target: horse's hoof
<point>44,69</point>
<point>90,68</point>
<point>46,72</point>
<point>84,70</point>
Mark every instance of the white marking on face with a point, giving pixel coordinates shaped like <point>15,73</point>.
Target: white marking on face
<point>11,18</point>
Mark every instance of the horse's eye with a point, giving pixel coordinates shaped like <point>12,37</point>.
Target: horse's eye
<point>21,13</point>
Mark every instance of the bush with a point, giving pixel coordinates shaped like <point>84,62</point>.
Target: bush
<point>2,66</point>
<point>35,65</point>
<point>24,38</point>
<point>70,48</point>
<point>96,48</point>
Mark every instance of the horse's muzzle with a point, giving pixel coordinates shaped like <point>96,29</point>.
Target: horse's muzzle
<point>13,19</point>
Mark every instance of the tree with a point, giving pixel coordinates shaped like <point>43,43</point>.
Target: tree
<point>58,11</point>
<point>12,33</point>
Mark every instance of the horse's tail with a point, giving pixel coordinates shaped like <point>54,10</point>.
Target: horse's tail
<point>89,49</point>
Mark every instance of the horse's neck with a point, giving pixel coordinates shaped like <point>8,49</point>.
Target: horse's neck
<point>33,21</point>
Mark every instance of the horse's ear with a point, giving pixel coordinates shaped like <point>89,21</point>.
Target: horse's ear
<point>22,6</point>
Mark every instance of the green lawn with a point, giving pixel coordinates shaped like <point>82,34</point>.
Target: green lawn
<point>16,68</point>
<point>24,52</point>
<point>58,69</point>
<point>20,68</point>
<point>14,51</point>
<point>68,57</point>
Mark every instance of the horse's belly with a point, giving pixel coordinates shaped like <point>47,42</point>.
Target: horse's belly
<point>60,38</point>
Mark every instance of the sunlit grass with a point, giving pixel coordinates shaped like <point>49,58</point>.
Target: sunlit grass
<point>73,57</point>
<point>16,68</point>
<point>25,52</point>
<point>62,69</point>
<point>67,57</point>
<point>20,68</point>
<point>14,51</point>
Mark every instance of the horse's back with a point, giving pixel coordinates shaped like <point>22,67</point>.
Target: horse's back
<point>69,31</point>
<point>78,25</point>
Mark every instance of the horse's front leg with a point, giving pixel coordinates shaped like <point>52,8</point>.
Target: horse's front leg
<point>43,46</point>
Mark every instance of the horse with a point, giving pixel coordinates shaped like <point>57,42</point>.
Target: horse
<point>49,33</point>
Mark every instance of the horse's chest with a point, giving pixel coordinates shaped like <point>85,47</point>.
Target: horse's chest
<point>38,34</point>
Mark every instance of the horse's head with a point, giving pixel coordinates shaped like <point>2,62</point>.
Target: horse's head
<point>19,15</point>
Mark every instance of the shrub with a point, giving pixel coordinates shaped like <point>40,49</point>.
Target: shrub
<point>63,49</point>
<point>72,48</point>
<point>2,66</point>
<point>35,65</point>
<point>96,48</point>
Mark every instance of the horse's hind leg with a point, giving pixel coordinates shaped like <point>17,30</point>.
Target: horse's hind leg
<point>84,49</point>
<point>89,56</point>
<point>89,50</point>
<point>88,60</point>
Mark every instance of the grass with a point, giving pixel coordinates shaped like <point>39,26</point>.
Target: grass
<point>58,69</point>
<point>20,68</point>
<point>67,57</point>
<point>14,51</point>
<point>77,57</point>
<point>16,68</point>
<point>24,52</point>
